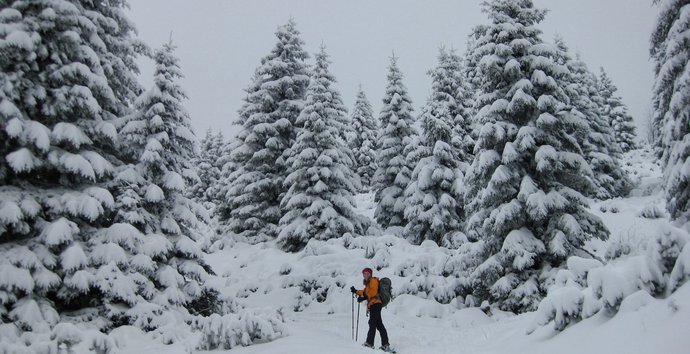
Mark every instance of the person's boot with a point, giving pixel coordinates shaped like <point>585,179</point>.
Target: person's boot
<point>387,348</point>
<point>368,345</point>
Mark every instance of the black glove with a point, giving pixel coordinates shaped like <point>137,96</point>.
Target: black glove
<point>353,290</point>
<point>361,298</point>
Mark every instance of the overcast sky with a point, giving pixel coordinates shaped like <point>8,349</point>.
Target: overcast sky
<point>221,42</point>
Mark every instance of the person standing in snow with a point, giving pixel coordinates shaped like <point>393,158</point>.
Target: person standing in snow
<point>374,306</point>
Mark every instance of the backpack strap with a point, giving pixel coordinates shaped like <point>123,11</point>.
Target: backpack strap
<point>378,287</point>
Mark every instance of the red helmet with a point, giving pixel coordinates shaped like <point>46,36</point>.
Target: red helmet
<point>367,270</point>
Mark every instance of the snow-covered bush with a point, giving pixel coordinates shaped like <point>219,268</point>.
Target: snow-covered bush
<point>63,338</point>
<point>315,248</point>
<point>311,287</point>
<point>285,269</point>
<point>657,268</point>
<point>427,275</point>
<point>376,248</point>
<point>620,278</point>
<point>652,211</point>
<point>610,207</point>
<point>237,329</point>
<point>681,271</point>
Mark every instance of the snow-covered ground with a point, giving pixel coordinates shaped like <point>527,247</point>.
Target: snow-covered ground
<point>309,291</point>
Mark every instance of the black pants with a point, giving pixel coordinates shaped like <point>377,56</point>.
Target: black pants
<point>375,323</point>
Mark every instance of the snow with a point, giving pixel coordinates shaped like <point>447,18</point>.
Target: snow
<point>46,279</point>
<point>123,234</point>
<point>23,160</point>
<point>580,266</point>
<point>266,279</point>
<point>108,130</point>
<point>12,277</point>
<point>73,258</point>
<point>26,313</point>
<point>107,253</point>
<point>189,247</point>
<point>81,205</point>
<point>626,294</point>
<point>635,301</point>
<point>19,39</point>
<point>270,281</point>
<point>10,212</point>
<point>74,163</point>
<point>70,132</point>
<point>99,164</point>
<point>174,181</point>
<point>81,280</point>
<point>156,244</point>
<point>14,126</point>
<point>523,246</point>
<point>681,271</point>
<point>59,232</point>
<point>154,193</point>
<point>185,133</point>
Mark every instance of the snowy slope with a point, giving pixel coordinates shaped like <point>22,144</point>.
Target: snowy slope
<point>309,290</point>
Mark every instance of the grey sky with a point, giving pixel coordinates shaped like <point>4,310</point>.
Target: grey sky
<point>220,43</point>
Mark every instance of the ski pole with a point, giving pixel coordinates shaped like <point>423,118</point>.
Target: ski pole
<point>353,316</point>
<point>357,331</point>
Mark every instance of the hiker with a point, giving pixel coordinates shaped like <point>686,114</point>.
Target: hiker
<point>374,306</point>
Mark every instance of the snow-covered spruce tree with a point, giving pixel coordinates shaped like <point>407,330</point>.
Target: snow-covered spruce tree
<point>463,125</point>
<point>434,207</point>
<point>597,141</point>
<point>251,205</point>
<point>364,143</point>
<point>218,160</point>
<point>66,70</point>
<point>527,213</point>
<point>208,166</point>
<point>158,262</point>
<point>227,169</point>
<point>471,79</point>
<point>617,113</point>
<point>396,137</point>
<point>671,99</point>
<point>319,203</point>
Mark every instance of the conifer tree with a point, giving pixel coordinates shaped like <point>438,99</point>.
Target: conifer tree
<point>251,205</point>
<point>471,79</point>
<point>527,212</point>
<point>671,100</point>
<point>617,112</point>
<point>162,263</point>
<point>364,142</point>
<point>67,70</point>
<point>208,165</point>
<point>463,124</point>
<point>597,140</point>
<point>434,195</point>
<point>319,203</point>
<point>396,137</point>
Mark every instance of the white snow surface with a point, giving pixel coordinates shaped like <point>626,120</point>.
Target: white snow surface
<point>265,279</point>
